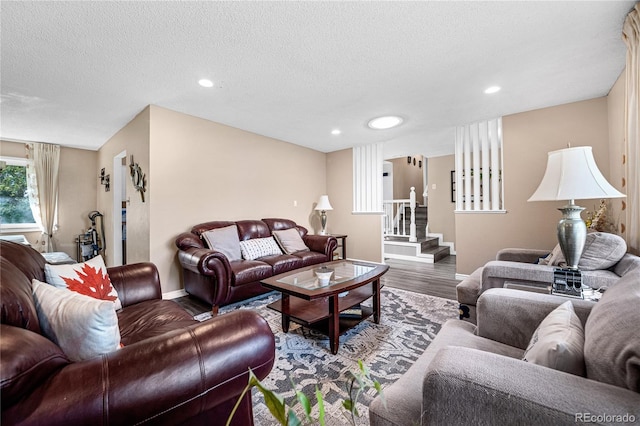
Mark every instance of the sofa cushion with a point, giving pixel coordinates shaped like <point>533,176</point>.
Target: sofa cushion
<point>89,278</point>
<point>290,240</point>
<point>601,251</point>
<point>612,342</point>
<point>27,360</point>
<point>248,271</point>
<point>83,327</point>
<point>151,318</point>
<point>259,247</point>
<point>558,342</point>
<point>225,240</point>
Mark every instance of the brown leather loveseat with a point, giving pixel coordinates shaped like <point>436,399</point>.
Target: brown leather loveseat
<point>210,276</point>
<point>171,369</point>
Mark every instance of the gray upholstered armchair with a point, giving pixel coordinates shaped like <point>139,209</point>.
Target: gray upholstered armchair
<point>475,374</point>
<point>603,262</point>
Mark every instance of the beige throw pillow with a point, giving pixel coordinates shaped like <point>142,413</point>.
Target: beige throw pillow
<point>225,240</point>
<point>82,326</point>
<point>290,240</point>
<point>558,342</point>
<point>612,335</point>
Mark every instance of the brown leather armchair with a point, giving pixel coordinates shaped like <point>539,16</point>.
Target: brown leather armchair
<point>209,275</point>
<point>171,370</point>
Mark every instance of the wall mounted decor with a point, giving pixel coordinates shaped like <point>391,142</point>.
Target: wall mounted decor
<point>138,178</point>
<point>105,180</point>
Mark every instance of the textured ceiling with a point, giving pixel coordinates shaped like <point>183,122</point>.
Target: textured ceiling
<point>74,73</point>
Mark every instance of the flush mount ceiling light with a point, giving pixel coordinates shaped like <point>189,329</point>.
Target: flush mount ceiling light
<point>385,122</point>
<point>492,89</point>
<point>336,131</point>
<point>205,83</point>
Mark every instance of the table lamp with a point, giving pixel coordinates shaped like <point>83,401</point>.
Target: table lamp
<point>572,174</point>
<point>323,205</point>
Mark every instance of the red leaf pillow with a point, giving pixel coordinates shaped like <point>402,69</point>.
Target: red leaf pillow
<point>89,278</point>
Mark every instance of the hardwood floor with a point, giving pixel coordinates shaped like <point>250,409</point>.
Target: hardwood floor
<point>435,279</point>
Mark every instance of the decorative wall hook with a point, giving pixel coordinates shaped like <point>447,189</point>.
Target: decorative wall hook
<point>138,178</point>
<point>105,180</point>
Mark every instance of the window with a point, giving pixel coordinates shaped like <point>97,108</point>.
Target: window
<point>15,212</point>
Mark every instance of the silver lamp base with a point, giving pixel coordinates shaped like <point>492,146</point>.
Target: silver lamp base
<point>572,234</point>
<point>323,219</point>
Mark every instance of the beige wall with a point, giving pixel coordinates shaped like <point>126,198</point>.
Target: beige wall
<point>203,171</point>
<point>134,139</point>
<point>364,231</point>
<point>615,104</point>
<point>528,137</point>
<point>440,209</point>
<point>77,194</point>
<point>405,176</point>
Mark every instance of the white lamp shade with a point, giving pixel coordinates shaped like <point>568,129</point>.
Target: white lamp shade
<point>323,203</point>
<point>572,174</point>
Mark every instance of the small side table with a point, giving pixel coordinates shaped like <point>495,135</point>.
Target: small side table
<point>342,244</point>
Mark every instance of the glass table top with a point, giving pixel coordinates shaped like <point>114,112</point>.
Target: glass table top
<point>321,277</point>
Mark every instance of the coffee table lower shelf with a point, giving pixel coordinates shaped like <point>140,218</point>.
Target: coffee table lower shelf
<point>315,314</point>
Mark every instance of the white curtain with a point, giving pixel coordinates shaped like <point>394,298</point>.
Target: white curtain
<point>631,37</point>
<point>42,187</point>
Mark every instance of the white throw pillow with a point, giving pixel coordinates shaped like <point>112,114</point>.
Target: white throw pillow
<point>225,240</point>
<point>558,342</point>
<point>89,278</point>
<point>290,240</point>
<point>259,247</point>
<point>83,327</point>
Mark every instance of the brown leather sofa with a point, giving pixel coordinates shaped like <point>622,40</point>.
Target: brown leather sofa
<point>171,370</point>
<point>210,276</point>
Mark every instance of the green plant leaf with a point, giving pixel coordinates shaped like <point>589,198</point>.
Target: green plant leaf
<point>275,403</point>
<point>292,419</point>
<point>306,405</point>
<point>320,406</point>
<point>347,404</point>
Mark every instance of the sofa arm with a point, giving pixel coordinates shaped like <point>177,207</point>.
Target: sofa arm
<point>498,272</point>
<point>166,379</point>
<point>502,390</point>
<point>322,244</point>
<point>206,271</point>
<point>521,255</point>
<point>511,316</point>
<point>136,282</point>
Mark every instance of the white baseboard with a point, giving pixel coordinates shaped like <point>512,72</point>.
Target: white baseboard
<point>174,294</point>
<point>461,276</point>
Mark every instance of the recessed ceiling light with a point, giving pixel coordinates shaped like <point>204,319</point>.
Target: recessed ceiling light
<point>205,83</point>
<point>385,122</point>
<point>492,89</point>
<point>336,131</point>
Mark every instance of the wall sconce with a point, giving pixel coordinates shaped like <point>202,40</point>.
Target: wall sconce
<point>105,180</point>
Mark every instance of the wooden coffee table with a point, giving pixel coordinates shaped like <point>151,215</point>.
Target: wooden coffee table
<point>317,304</point>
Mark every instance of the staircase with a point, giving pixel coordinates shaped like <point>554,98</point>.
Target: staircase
<point>427,249</point>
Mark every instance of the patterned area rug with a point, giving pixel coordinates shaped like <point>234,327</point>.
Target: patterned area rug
<point>409,322</point>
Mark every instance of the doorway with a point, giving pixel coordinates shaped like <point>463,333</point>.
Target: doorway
<point>120,209</point>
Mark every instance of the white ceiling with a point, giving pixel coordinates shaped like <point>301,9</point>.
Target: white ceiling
<point>74,73</point>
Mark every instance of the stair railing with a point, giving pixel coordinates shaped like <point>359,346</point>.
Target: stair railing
<point>395,217</point>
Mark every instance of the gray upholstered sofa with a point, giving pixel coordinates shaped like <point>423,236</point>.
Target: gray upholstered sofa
<point>603,262</point>
<point>475,374</point>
